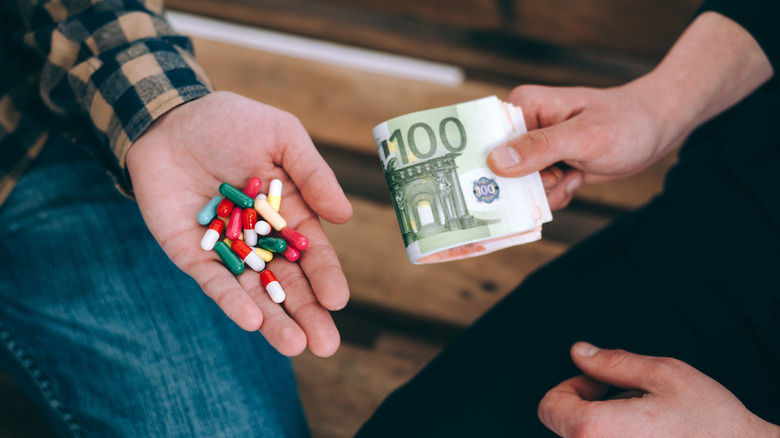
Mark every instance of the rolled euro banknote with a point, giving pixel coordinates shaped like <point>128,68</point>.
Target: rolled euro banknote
<point>449,204</point>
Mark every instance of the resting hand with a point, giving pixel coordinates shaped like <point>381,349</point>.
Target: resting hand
<point>176,168</point>
<point>669,399</point>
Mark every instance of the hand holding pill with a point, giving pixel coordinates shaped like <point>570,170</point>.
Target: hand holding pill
<point>178,165</point>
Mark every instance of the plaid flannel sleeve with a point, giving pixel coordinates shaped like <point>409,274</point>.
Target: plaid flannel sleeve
<point>116,64</point>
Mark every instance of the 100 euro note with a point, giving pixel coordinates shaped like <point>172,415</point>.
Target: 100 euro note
<point>449,204</point>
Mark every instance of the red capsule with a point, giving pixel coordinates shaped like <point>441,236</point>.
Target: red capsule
<point>234,225</point>
<point>291,253</point>
<point>224,207</point>
<point>252,187</point>
<point>294,238</point>
<point>249,217</point>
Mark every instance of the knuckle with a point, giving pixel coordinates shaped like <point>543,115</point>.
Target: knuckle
<point>663,368</point>
<point>538,139</point>
<point>525,93</point>
<point>586,430</point>
<point>590,426</point>
<point>617,358</point>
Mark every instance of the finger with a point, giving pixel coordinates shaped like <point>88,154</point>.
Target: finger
<point>530,99</point>
<point>281,331</point>
<point>314,178</point>
<point>532,151</point>
<point>545,106</point>
<point>322,337</point>
<point>561,194</point>
<point>551,177</point>
<point>222,286</point>
<point>619,367</point>
<point>319,260</point>
<point>568,404</point>
<point>321,265</point>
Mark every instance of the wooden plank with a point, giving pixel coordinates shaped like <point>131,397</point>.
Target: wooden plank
<point>632,28</point>
<point>379,273</point>
<point>340,106</point>
<point>636,28</point>
<point>508,58</point>
<point>465,14</point>
<point>340,393</point>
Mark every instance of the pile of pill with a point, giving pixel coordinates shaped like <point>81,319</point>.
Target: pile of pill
<point>247,219</point>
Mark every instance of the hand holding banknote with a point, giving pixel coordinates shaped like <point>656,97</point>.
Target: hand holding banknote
<point>581,135</point>
<point>448,203</point>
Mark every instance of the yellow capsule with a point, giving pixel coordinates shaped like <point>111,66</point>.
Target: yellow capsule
<point>275,193</point>
<point>266,255</point>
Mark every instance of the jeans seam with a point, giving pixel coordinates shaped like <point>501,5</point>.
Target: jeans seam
<point>43,384</point>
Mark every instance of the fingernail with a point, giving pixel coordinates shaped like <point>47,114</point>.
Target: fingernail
<point>548,183</point>
<point>506,157</point>
<point>585,349</point>
<point>573,185</point>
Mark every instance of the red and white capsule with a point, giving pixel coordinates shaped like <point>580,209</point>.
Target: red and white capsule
<point>212,235</point>
<point>272,286</point>
<point>294,238</point>
<point>248,255</point>
<point>249,219</point>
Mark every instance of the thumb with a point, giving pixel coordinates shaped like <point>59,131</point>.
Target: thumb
<point>531,152</point>
<point>615,367</point>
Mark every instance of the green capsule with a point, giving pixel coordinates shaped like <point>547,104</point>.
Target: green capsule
<point>239,198</point>
<point>273,244</point>
<point>231,260</point>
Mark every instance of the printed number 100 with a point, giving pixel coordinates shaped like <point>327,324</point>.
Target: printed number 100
<point>426,148</point>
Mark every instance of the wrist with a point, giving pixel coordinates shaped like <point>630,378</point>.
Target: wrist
<point>713,65</point>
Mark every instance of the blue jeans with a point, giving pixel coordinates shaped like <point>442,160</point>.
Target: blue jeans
<point>107,336</point>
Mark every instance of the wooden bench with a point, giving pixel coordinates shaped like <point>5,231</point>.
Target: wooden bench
<point>401,315</point>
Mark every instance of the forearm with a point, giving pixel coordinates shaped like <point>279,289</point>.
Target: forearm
<point>712,66</point>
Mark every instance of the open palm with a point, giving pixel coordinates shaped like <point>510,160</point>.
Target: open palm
<point>176,168</point>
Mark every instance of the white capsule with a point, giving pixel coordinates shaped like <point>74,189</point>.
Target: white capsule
<point>262,228</point>
<point>275,193</point>
<point>250,236</point>
<point>276,292</point>
<point>254,261</point>
<point>209,239</point>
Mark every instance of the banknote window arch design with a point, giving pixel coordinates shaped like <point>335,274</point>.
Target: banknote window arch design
<point>429,199</point>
